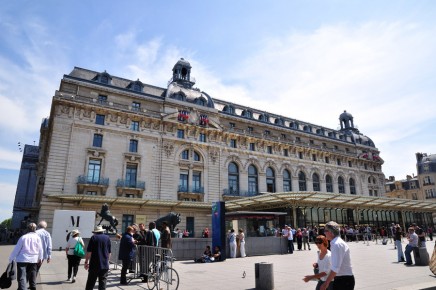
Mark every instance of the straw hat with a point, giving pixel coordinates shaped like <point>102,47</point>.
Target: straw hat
<point>75,232</point>
<point>98,229</point>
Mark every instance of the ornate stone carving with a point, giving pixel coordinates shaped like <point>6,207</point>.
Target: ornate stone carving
<point>168,148</point>
<point>213,154</point>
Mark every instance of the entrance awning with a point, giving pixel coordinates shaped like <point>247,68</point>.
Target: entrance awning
<point>326,200</point>
<point>268,215</point>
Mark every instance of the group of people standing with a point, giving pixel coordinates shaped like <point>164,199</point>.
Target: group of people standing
<point>235,241</point>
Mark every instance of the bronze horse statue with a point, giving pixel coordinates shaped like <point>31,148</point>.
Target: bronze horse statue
<point>172,219</point>
<point>106,215</point>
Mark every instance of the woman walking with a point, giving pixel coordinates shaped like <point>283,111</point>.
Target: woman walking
<point>73,260</point>
<point>323,265</point>
<point>397,236</point>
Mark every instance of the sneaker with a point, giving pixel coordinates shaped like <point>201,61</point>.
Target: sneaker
<point>69,279</point>
<point>73,280</point>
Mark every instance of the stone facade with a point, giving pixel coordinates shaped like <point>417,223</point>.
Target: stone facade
<point>112,138</point>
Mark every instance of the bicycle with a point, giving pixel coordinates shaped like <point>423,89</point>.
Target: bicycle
<point>161,271</point>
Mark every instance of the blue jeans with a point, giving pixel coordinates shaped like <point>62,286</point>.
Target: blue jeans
<point>400,255</point>
<point>407,252</point>
<point>26,271</point>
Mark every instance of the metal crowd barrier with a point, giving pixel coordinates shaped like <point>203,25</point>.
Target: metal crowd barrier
<point>147,256</point>
<point>115,249</point>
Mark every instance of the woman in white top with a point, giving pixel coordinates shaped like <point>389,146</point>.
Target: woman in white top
<point>323,265</point>
<point>73,260</point>
<point>241,239</point>
<point>232,243</point>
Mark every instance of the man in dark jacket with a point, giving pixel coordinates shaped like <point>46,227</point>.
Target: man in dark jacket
<point>98,255</point>
<point>127,252</point>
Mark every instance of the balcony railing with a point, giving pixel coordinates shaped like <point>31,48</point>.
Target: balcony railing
<point>131,184</point>
<point>83,179</point>
<point>191,189</point>
<point>235,192</point>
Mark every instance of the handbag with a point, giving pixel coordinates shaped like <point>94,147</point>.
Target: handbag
<point>78,249</point>
<point>432,263</point>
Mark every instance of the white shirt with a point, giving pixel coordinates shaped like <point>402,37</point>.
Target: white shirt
<point>28,249</point>
<point>72,244</point>
<point>341,260</point>
<point>291,235</point>
<point>325,264</point>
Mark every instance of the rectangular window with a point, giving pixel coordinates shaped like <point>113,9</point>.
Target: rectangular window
<point>347,150</point>
<point>232,125</point>
<point>365,166</point>
<point>181,134</point>
<point>375,168</point>
<point>300,155</point>
<point>102,99</point>
<point>298,139</point>
<point>324,144</point>
<point>133,146</point>
<point>127,220</point>
<point>250,129</point>
<point>336,147</point>
<point>97,141</point>
<point>94,168</point>
<point>313,157</point>
<point>183,181</point>
<point>190,226</point>
<point>370,192</point>
<point>91,193</point>
<point>375,192</point>
<point>99,119</point>
<point>134,126</point>
<point>233,143</point>
<point>267,132</point>
<point>327,160</point>
<point>196,181</point>
<point>286,152</point>
<point>338,161</point>
<point>202,137</point>
<point>269,149</point>
<point>136,106</point>
<point>311,142</point>
<point>283,136</point>
<point>350,164</point>
<point>131,174</point>
<point>252,147</point>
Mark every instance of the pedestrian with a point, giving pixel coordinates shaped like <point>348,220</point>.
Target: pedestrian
<point>397,238</point>
<point>305,234</point>
<point>127,253</point>
<point>241,238</point>
<point>232,243</point>
<point>299,237</point>
<point>165,236</point>
<point>290,237</point>
<point>152,236</point>
<point>27,253</point>
<point>97,259</point>
<point>73,260</point>
<point>413,243</point>
<point>45,237</point>
<point>323,265</point>
<point>206,233</point>
<point>341,270</point>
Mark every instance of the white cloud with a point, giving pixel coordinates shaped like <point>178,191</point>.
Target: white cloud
<point>10,159</point>
<point>7,193</point>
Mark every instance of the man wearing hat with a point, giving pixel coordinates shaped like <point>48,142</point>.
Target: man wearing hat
<point>97,259</point>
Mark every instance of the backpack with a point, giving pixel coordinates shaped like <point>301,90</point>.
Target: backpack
<point>78,249</point>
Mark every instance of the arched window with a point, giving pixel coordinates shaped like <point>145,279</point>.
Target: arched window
<point>233,179</point>
<point>185,155</point>
<point>287,184</point>
<point>315,180</point>
<point>302,181</point>
<point>369,179</point>
<point>270,180</point>
<point>252,180</point>
<point>197,156</point>
<point>352,186</point>
<point>200,101</point>
<point>329,183</point>
<point>341,184</point>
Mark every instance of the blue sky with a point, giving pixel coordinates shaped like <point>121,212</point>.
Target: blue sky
<point>308,60</point>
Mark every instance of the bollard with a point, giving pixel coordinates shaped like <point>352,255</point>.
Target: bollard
<point>264,276</point>
<point>421,256</point>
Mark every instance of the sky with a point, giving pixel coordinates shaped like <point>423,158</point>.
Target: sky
<point>309,60</point>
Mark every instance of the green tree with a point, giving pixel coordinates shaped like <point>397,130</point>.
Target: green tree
<point>6,223</point>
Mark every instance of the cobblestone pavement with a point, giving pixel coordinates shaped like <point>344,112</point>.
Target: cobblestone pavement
<point>374,265</point>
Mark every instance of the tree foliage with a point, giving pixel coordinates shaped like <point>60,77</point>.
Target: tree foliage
<point>6,223</point>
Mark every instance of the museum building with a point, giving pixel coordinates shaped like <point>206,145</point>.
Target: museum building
<point>147,151</point>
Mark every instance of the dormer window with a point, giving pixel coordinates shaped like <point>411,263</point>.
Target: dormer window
<point>279,121</point>
<point>179,96</point>
<point>247,114</point>
<point>103,78</point>
<point>307,129</point>
<point>136,86</point>
<point>229,109</point>
<point>201,101</point>
<point>264,118</point>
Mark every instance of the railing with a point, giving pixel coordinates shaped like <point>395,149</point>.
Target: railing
<point>234,192</point>
<point>428,183</point>
<point>191,189</point>
<point>83,179</point>
<point>131,184</point>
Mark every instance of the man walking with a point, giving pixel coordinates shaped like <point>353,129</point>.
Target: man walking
<point>28,254</point>
<point>341,270</point>
<point>413,243</point>
<point>97,259</point>
<point>45,237</point>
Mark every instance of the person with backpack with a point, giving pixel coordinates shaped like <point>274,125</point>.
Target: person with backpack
<point>73,260</point>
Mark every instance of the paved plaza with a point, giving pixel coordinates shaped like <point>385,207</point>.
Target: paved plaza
<point>375,267</point>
